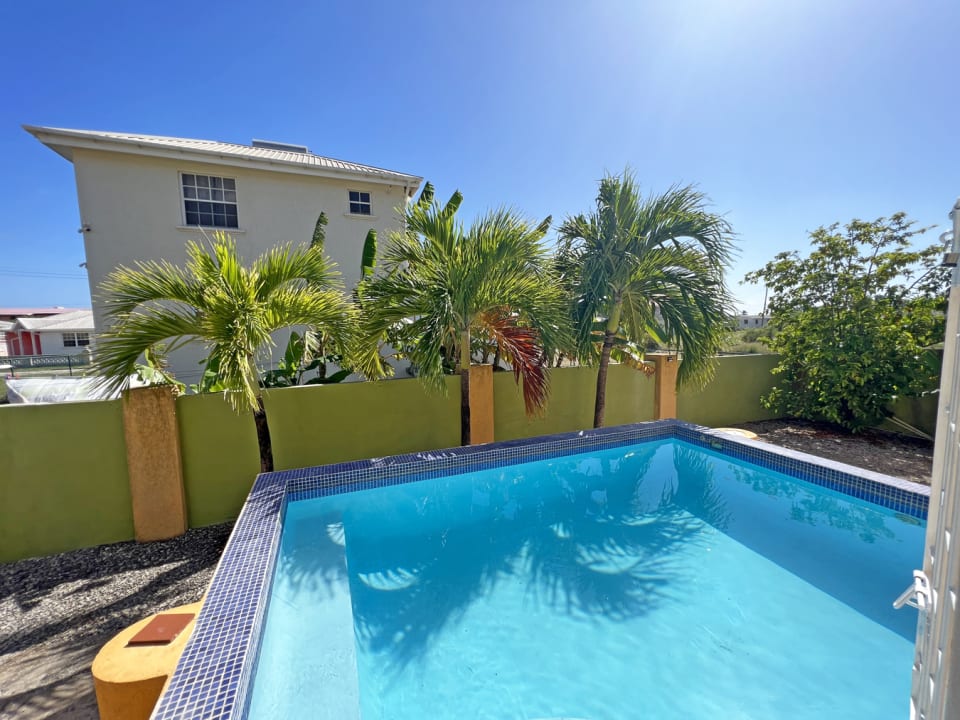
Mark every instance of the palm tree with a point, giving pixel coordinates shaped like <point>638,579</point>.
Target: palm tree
<point>442,289</point>
<point>647,268</point>
<point>228,307</point>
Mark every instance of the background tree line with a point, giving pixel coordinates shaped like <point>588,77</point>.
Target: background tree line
<point>634,270</point>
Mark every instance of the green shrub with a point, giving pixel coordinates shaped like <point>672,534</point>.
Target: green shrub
<point>852,321</point>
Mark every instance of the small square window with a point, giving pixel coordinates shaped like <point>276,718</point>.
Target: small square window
<point>360,203</point>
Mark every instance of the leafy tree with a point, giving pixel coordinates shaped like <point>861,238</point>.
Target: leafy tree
<point>644,268</point>
<point>441,286</point>
<point>756,335</point>
<point>852,321</point>
<point>230,308</point>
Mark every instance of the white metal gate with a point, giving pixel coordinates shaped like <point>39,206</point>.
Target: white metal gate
<point>936,666</point>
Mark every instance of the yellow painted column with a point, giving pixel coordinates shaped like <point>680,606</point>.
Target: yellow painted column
<point>481,404</point>
<point>153,463</point>
<point>665,385</point>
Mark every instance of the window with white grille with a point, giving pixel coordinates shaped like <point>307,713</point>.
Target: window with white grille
<point>209,201</point>
<point>76,339</point>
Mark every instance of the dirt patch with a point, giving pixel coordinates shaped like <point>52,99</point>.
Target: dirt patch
<point>877,450</point>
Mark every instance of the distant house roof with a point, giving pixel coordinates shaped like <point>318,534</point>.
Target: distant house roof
<point>81,320</point>
<point>273,155</point>
<point>15,312</point>
<point>5,325</point>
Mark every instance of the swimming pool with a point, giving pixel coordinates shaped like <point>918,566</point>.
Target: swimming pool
<point>642,571</point>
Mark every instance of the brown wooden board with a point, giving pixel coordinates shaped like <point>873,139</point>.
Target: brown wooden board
<point>162,629</point>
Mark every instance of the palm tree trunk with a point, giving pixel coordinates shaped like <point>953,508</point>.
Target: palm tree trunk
<point>263,437</point>
<point>465,387</point>
<point>600,406</point>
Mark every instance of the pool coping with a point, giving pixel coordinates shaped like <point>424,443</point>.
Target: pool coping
<point>212,676</point>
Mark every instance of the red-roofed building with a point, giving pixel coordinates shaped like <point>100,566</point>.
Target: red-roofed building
<point>22,330</point>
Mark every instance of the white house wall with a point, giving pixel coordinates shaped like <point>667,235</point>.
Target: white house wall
<point>51,342</point>
<point>133,208</point>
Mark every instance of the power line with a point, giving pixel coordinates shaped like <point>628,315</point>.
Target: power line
<point>52,275</point>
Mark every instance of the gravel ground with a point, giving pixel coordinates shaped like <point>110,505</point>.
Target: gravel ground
<point>57,612</point>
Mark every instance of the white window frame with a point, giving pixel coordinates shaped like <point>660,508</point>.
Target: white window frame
<point>360,202</point>
<point>76,339</point>
<point>221,187</point>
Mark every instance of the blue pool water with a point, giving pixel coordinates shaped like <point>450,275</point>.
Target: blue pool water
<point>658,580</point>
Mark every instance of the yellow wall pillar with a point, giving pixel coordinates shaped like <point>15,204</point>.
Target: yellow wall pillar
<point>665,385</point>
<point>153,463</point>
<point>481,404</point>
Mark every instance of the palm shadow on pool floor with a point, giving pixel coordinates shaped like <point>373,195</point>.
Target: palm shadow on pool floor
<point>576,543</point>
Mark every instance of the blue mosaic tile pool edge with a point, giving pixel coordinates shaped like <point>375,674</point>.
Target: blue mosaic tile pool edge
<point>213,674</point>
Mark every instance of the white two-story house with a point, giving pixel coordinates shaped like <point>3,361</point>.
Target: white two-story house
<point>142,197</point>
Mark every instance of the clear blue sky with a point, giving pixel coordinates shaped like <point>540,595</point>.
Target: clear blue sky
<point>789,113</point>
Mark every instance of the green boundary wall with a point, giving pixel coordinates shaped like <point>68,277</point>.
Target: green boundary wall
<point>733,396</point>
<point>220,457</point>
<point>322,424</point>
<point>64,483</point>
<point>63,478</point>
<point>570,407</point>
<point>920,412</point>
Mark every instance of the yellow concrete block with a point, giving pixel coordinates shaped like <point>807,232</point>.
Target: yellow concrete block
<point>128,680</point>
<point>153,463</point>
<point>481,404</point>
<point>665,385</point>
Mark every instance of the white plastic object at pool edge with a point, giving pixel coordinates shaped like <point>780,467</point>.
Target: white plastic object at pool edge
<point>917,595</point>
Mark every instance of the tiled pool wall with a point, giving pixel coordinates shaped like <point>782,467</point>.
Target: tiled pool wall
<point>213,674</point>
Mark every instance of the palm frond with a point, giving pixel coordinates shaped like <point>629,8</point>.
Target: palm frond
<point>299,265</point>
<point>439,281</point>
<point>231,308</point>
<point>133,334</point>
<point>314,307</point>
<point>657,262</point>
<point>522,348</point>
<point>125,289</point>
